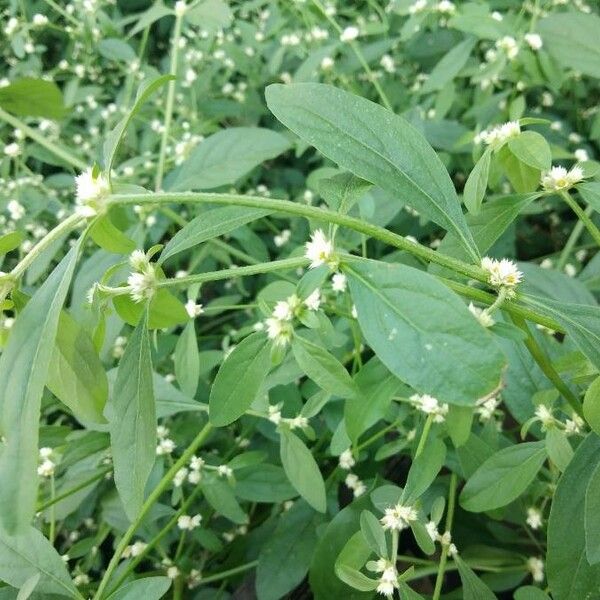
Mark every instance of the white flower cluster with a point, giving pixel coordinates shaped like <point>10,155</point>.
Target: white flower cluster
<point>444,539</point>
<point>398,517</point>
<point>91,191</point>
<point>558,178</point>
<point>496,136</point>
<point>279,324</point>
<point>484,317</point>
<point>388,581</point>
<point>47,465</point>
<point>133,550</point>
<point>430,406</point>
<point>501,273</point>
<point>534,518</point>
<point>142,282</point>
<point>165,444</point>
<point>193,474</point>
<point>508,45</point>
<point>349,34</point>
<point>320,251</point>
<point>346,460</point>
<point>193,310</point>
<point>534,41</point>
<point>355,484</point>
<point>297,422</point>
<point>536,567</point>
<point>487,408</point>
<point>189,523</point>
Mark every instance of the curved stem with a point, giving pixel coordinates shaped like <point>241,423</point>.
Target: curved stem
<point>424,435</point>
<point>152,498</point>
<point>229,572</point>
<point>583,216</point>
<point>573,238</point>
<point>54,499</point>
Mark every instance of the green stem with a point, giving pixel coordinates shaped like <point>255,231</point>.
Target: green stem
<point>229,572</point>
<point>545,365</point>
<point>424,434</point>
<point>583,216</point>
<point>152,498</point>
<point>36,136</point>
<point>55,499</point>
<point>160,169</point>
<point>444,556</point>
<point>311,212</point>
<point>573,238</point>
<point>52,533</point>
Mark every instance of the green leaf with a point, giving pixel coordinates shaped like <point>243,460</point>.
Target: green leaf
<point>219,494</point>
<point>531,148</point>
<point>76,375</point>
<point>263,483</point>
<point>476,183</point>
<point>114,137</point>
<point>354,578</point>
<point>109,237</point>
<point>521,176</point>
<point>285,556</point>
<point>373,533</point>
<point>449,66</point>
<point>473,587</point>
<point>529,592</point>
<point>187,360</point>
<point>570,576</point>
<point>558,448</point>
<point>424,470</point>
<point>116,49</point>
<point>572,40</point>
<point>459,420</point>
<point>590,192</point>
<point>208,225</point>
<point>580,321</point>
<point>351,559</point>
<point>165,310</point>
<point>211,15</point>
<point>30,554</point>
<point>239,379</point>
<point>591,405</point>
<point>28,587</point>
<point>10,241</point>
<point>225,156</point>
<point>503,477</point>
<point>592,518</point>
<point>29,97</point>
<point>376,387</point>
<point>422,331</point>
<point>131,414</point>
<point>374,144</point>
<point>148,588</point>
<point>24,366</point>
<point>302,470</point>
<point>157,11</point>
<point>323,368</point>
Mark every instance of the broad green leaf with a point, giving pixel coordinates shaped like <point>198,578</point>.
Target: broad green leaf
<point>10,241</point>
<point>165,310</point>
<point>263,483</point>
<point>219,494</point>
<point>343,191</point>
<point>187,360</point>
<point>302,470</point>
<point>591,405</point>
<point>376,387</point>
<point>147,588</point>
<point>351,559</point>
<point>503,477</point>
<point>580,321</point>
<point>225,156</point>
<point>521,176</point>
<point>423,333</point>
<point>28,554</point>
<point>558,448</point>
<point>570,576</point>
<point>473,587</point>
<point>424,470</point>
<point>592,518</point>
<point>285,557</point>
<point>459,420</point>
<point>476,183</point>
<point>76,375</point>
<point>323,368</point>
<point>529,592</point>
<point>211,15</point>
<point>354,578</point>
<point>572,39</point>
<point>449,66</point>
<point>531,148</point>
<point>239,379</point>
<point>114,137</point>
<point>157,11</point>
<point>374,144</point>
<point>110,238</point>
<point>373,532</point>
<point>208,225</point>
<point>590,192</point>
<point>29,97</point>
<point>24,366</point>
<point>131,414</point>
<point>116,49</point>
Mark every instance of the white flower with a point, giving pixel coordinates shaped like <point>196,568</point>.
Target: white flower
<point>544,414</point>
<point>46,469</point>
<point>509,45</point>
<point>398,517</point>
<point>180,477</point>
<point>346,460</point>
<point>314,300</point>
<point>194,477</point>
<point>279,331</point>
<point>432,530</point>
<point>281,239</point>
<point>193,310</point>
<point>142,285</point>
<point>91,191</point>
<point>481,315</point>
<point>134,549</point>
<point>15,210</point>
<point>574,425</point>
<point>387,63</point>
<point>446,7</point>
<point>349,34</point>
<point>417,7</point>
<point>319,250</point>
<point>431,406</point>
<point>274,414</point>
<point>536,566</point>
<point>388,581</point>
<point>327,63</point>
<point>338,283</point>
<point>138,260</point>
<point>12,150</point>
<point>45,452</point>
<point>298,422</point>
<point>180,8</point>
<point>224,471</point>
<point>487,408</point>
<point>558,178</point>
<point>581,154</point>
<point>498,135</point>
<point>81,579</point>
<point>188,523</point>
<point>172,572</point>
<point>165,446</point>
<point>502,273</point>
<point>39,20</point>
<point>284,309</point>
<point>355,484</point>
<point>196,463</point>
<point>534,518</point>
<point>534,40</point>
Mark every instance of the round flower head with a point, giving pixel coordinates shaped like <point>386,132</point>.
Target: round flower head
<point>91,189</point>
<point>319,250</point>
<point>558,178</point>
<point>502,273</point>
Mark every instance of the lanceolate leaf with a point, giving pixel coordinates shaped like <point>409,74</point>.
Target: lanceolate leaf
<point>148,588</point>
<point>24,365</point>
<point>423,333</point>
<point>473,587</point>
<point>239,379</point>
<point>208,225</point>
<point>503,477</point>
<point>187,360</point>
<point>131,413</point>
<point>374,144</point>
